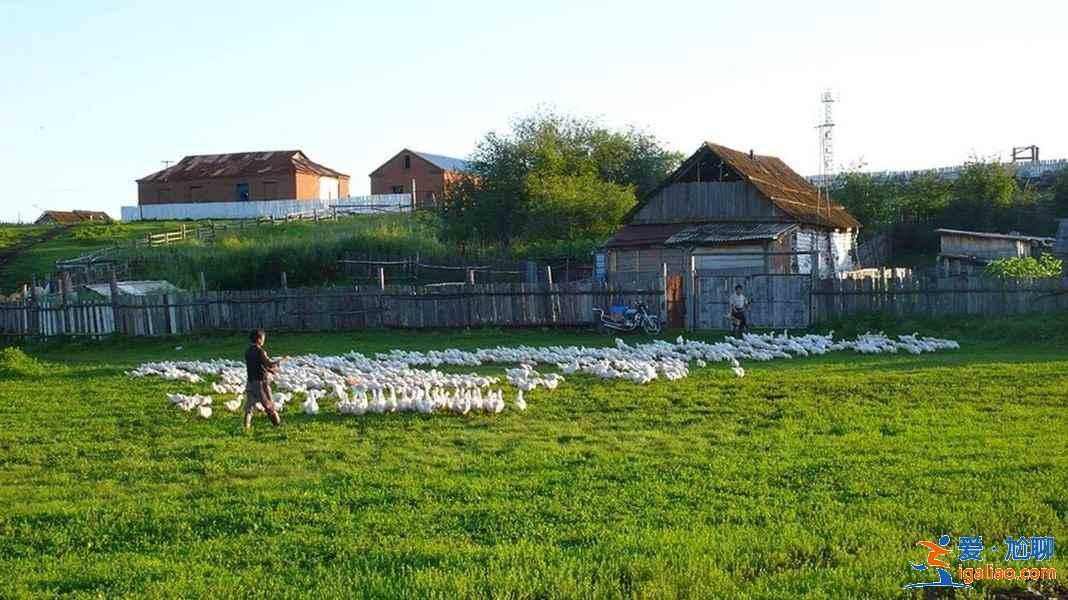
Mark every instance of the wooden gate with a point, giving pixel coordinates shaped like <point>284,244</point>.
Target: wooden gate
<point>775,300</point>
<point>676,302</point>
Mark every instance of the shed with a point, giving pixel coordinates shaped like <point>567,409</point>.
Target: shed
<point>969,251</point>
<point>734,213</point>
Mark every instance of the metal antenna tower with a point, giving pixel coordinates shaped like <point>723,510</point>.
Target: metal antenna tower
<point>826,132</point>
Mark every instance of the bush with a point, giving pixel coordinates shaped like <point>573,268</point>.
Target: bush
<point>16,363</point>
<point>1047,267</point>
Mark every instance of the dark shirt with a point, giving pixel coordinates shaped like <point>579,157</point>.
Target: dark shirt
<point>258,364</point>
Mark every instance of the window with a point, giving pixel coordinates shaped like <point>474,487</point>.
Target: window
<point>407,161</point>
<point>163,195</point>
<point>196,193</point>
<point>398,189</point>
<point>242,192</point>
<point>270,190</point>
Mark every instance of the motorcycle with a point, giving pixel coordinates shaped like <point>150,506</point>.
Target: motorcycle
<point>631,318</point>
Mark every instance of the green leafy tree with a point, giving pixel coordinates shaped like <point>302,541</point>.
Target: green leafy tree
<point>984,189</point>
<point>1060,194</point>
<point>871,200</point>
<point>554,177</point>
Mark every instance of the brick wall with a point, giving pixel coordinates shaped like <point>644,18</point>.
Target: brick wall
<point>429,179</point>
<point>279,186</point>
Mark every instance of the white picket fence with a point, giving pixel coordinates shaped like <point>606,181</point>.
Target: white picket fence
<point>278,209</point>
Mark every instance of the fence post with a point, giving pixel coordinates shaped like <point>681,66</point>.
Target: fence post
<point>113,285</point>
<point>470,277</point>
<point>664,292</point>
<point>285,282</point>
<point>203,282</point>
<point>691,294</point>
<point>381,278</point>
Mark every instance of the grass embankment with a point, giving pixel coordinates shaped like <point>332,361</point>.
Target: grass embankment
<point>69,243</point>
<point>810,477</point>
<point>307,252</point>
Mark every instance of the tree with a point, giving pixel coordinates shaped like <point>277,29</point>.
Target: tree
<point>1060,194</point>
<point>871,200</point>
<point>552,176</point>
<point>984,189</point>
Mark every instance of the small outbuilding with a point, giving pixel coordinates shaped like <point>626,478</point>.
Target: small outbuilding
<point>72,217</point>
<point>963,252</point>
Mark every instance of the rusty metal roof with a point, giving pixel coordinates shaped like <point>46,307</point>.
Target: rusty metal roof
<point>719,233</point>
<point>791,192</point>
<point>240,164</point>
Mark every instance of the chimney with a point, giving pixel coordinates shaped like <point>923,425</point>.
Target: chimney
<point>752,155</point>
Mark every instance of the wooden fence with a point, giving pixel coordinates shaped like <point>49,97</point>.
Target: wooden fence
<point>834,299</point>
<point>325,309</point>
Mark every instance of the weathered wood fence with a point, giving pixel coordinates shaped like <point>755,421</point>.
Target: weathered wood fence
<point>834,299</point>
<point>323,309</point>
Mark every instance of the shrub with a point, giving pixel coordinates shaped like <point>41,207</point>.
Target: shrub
<point>1048,266</point>
<point>16,363</point>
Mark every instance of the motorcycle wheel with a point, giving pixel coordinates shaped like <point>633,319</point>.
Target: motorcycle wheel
<point>651,325</point>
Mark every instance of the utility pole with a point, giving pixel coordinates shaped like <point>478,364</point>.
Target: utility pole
<point>826,133</point>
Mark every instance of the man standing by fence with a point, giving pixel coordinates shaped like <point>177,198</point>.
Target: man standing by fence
<point>258,369</point>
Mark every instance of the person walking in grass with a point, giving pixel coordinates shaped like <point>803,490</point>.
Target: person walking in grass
<point>739,303</point>
<point>259,367</point>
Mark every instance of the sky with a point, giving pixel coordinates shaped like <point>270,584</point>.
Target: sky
<point>94,95</point>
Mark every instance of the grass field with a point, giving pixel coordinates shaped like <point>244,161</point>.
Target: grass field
<point>71,242</point>
<point>807,478</point>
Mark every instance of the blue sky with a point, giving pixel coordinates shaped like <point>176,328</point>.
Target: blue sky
<point>97,94</point>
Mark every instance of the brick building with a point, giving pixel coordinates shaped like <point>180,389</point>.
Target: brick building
<point>241,177</point>
<point>428,172</point>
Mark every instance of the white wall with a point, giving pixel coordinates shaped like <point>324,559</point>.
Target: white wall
<point>265,208</point>
<point>329,189</point>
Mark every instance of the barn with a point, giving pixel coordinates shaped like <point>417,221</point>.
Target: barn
<point>728,212</point>
<point>242,177</point>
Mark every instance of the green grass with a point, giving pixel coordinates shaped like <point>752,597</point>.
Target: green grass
<point>307,252</point>
<point>807,478</point>
<point>71,242</point>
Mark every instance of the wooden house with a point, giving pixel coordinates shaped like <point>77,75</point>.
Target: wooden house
<point>964,252</point>
<point>733,213</point>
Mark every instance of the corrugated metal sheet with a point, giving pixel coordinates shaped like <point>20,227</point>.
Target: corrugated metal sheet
<point>380,203</point>
<point>713,233</point>
<point>997,236</point>
<point>446,163</point>
<point>643,235</point>
<point>136,288</point>
<point>782,185</point>
<point>240,164</point>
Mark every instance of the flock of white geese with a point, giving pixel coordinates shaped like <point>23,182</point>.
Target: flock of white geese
<point>409,381</point>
